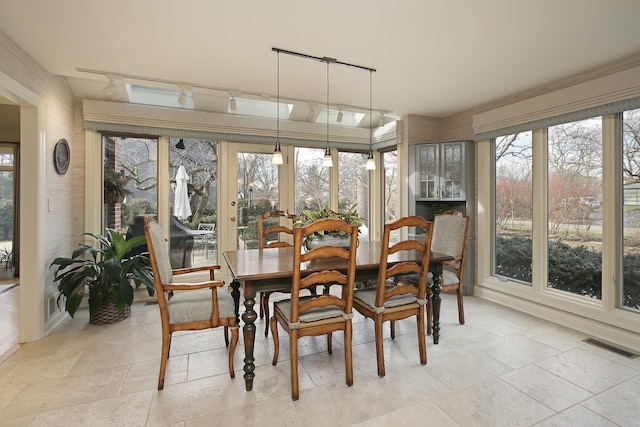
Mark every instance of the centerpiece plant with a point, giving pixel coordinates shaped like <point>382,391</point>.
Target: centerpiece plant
<point>349,215</point>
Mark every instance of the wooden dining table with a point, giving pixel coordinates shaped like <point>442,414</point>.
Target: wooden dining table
<point>257,270</point>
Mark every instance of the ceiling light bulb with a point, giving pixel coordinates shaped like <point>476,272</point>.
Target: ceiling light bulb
<point>277,157</point>
<point>232,104</point>
<point>339,118</point>
<point>371,164</point>
<point>327,161</point>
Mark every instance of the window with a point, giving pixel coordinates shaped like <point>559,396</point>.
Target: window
<point>391,195</point>
<point>631,210</point>
<point>130,180</point>
<point>200,162</point>
<point>574,194</point>
<point>353,185</point>
<point>311,180</point>
<point>513,206</point>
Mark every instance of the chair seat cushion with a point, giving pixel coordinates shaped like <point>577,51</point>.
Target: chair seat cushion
<point>368,297</point>
<point>190,306</point>
<point>312,315</point>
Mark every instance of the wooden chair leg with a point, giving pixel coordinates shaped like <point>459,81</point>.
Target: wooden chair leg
<point>232,348</point>
<point>226,336</point>
<point>422,343</point>
<point>260,299</point>
<point>264,307</point>
<point>348,353</point>
<point>329,343</point>
<point>393,329</point>
<point>293,345</point>
<point>276,340</point>
<point>460,307</point>
<point>166,343</point>
<point>379,347</point>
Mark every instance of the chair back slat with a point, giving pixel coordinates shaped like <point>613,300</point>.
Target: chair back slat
<point>273,231</point>
<point>329,276</point>
<point>420,266</point>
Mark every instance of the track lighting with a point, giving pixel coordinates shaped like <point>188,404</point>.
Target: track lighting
<point>232,103</point>
<point>182,98</point>
<point>339,118</point>
<point>110,88</point>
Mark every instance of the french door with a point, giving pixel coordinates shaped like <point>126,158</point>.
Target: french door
<point>250,186</point>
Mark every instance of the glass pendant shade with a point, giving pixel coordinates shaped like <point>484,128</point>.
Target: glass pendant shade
<point>277,156</point>
<point>327,161</point>
<point>371,164</point>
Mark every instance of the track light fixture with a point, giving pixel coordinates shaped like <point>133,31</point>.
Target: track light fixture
<point>110,88</point>
<point>180,144</point>
<point>339,118</point>
<point>277,153</point>
<point>182,98</point>
<point>232,103</point>
<point>371,163</point>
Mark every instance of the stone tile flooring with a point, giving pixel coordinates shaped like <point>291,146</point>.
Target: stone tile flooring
<point>503,368</point>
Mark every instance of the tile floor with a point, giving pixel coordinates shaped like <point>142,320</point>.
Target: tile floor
<point>503,368</point>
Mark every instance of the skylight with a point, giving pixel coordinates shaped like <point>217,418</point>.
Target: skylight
<point>349,118</point>
<point>158,96</point>
<point>261,108</point>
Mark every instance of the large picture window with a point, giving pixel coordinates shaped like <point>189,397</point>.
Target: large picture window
<point>631,210</point>
<point>574,197</point>
<point>513,207</point>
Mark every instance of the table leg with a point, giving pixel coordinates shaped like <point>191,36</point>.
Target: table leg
<point>436,300</point>
<point>249,332</point>
<point>235,293</point>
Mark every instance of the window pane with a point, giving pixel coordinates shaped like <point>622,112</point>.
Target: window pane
<point>257,194</point>
<point>513,206</point>
<point>391,193</point>
<point>353,186</point>
<point>131,162</point>
<point>631,209</point>
<point>574,217</point>
<point>198,217</point>
<point>311,180</point>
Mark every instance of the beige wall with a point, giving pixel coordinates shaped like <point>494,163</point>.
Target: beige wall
<point>64,221</point>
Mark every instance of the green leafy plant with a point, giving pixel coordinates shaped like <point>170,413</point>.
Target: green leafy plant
<point>349,215</point>
<point>106,270</point>
<point>115,186</point>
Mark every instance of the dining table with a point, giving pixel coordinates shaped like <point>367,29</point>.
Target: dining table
<point>257,270</point>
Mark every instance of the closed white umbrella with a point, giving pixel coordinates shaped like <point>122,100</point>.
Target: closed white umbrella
<point>182,209</point>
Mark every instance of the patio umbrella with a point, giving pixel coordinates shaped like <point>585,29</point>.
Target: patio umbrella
<point>182,209</point>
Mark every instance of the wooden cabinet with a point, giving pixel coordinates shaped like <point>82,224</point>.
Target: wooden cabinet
<point>440,171</point>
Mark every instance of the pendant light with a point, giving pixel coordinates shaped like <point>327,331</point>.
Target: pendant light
<point>371,163</point>
<point>277,153</point>
<point>327,161</point>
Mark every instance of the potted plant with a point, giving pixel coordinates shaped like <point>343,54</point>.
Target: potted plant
<point>107,271</point>
<point>115,186</point>
<point>338,237</point>
<point>7,263</point>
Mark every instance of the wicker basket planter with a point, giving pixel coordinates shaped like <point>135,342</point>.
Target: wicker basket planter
<point>109,314</point>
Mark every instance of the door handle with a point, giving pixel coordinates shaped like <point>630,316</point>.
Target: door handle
<point>233,218</point>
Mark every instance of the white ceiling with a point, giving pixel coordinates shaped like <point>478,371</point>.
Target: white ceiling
<point>433,58</point>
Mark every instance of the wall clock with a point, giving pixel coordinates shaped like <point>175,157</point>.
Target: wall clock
<point>61,156</point>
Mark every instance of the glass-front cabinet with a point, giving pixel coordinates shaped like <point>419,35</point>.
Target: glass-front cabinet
<point>440,171</point>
